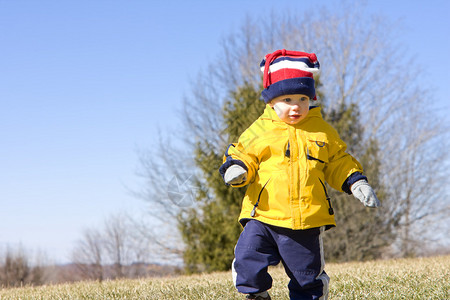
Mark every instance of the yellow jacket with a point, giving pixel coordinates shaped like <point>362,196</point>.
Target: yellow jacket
<point>287,168</point>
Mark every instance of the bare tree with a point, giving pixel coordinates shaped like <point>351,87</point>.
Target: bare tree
<point>362,65</point>
<point>125,247</point>
<point>370,69</point>
<point>168,173</point>
<point>121,248</point>
<point>89,255</point>
<point>16,269</point>
<point>115,241</point>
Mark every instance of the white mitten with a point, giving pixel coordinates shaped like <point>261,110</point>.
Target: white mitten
<point>235,174</point>
<point>364,193</point>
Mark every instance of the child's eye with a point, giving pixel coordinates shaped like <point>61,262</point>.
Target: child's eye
<point>304,98</point>
<point>287,100</point>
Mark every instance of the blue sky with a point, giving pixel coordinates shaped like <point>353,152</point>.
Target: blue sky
<point>84,84</point>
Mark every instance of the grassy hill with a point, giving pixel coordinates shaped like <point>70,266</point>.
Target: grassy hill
<point>418,278</point>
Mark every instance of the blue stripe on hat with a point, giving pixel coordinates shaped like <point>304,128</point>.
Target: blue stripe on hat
<point>298,85</point>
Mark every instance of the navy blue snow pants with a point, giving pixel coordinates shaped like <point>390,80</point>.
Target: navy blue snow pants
<point>301,252</point>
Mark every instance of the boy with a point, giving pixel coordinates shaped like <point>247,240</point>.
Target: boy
<point>285,157</point>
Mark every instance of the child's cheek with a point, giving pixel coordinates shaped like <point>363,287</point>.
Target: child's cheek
<point>278,107</point>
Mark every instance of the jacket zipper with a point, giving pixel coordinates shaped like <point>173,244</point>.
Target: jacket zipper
<point>330,209</point>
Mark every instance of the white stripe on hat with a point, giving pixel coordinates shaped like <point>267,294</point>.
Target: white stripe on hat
<point>289,64</point>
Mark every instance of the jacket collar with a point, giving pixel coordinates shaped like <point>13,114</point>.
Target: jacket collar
<point>270,114</point>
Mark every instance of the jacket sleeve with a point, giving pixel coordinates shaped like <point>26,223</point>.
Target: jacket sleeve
<point>242,153</point>
<point>341,165</point>
<point>351,180</point>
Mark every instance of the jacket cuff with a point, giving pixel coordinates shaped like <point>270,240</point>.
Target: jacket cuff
<point>229,162</point>
<point>351,180</point>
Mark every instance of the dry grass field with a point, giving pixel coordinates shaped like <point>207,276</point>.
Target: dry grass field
<point>415,278</point>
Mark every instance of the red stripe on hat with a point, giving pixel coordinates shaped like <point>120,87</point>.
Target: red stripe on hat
<point>287,74</point>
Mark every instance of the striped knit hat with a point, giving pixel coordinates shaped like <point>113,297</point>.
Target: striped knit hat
<point>289,72</point>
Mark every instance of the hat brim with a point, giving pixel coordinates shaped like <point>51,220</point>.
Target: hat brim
<point>299,85</point>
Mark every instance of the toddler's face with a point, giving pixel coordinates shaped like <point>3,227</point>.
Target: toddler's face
<point>291,109</point>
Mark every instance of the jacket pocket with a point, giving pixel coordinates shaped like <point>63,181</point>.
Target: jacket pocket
<point>317,152</point>
<point>269,195</point>
<point>252,214</point>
